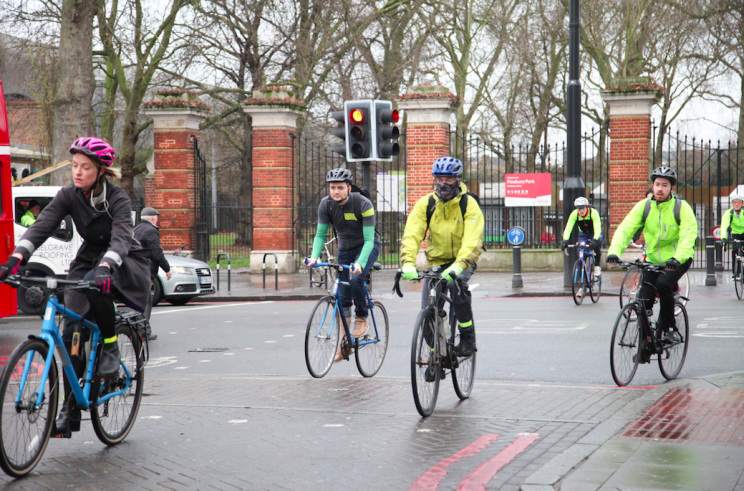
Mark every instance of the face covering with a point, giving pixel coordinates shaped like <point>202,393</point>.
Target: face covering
<point>446,191</point>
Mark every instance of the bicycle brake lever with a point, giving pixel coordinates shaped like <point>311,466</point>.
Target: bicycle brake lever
<point>396,286</point>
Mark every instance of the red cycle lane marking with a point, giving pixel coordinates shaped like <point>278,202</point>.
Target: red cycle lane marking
<point>430,480</point>
<point>481,475</point>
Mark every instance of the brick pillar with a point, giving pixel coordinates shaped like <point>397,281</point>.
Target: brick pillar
<point>428,110</point>
<point>630,145</point>
<point>176,117</point>
<point>274,113</point>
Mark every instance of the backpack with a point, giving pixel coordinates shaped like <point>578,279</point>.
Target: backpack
<point>677,208</point>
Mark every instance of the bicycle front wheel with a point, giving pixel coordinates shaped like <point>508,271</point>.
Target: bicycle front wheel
<point>625,351</point>
<point>425,366</point>
<point>673,356</point>
<point>577,285</point>
<point>738,279</point>
<point>320,342</point>
<point>26,428</point>
<point>464,375</point>
<point>630,286</point>
<point>114,418</point>
<point>595,282</point>
<point>371,348</point>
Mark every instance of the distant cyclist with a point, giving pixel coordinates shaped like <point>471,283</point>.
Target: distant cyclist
<point>454,242</point>
<point>733,220</point>
<point>590,230</point>
<point>670,232</point>
<point>353,217</point>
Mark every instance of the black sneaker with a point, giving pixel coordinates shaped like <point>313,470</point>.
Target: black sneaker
<point>110,360</point>
<point>671,337</point>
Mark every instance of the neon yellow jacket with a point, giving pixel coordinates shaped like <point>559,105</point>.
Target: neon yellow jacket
<point>451,238</point>
<point>593,215</point>
<point>28,219</point>
<point>734,221</point>
<point>664,238</point>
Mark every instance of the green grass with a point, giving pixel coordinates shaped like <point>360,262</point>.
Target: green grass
<point>239,262</point>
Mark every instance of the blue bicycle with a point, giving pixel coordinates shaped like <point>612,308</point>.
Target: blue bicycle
<point>321,337</point>
<point>29,386</point>
<point>584,279</point>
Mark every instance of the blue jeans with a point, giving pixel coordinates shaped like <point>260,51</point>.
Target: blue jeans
<point>348,256</point>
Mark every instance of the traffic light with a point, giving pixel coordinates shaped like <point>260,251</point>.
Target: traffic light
<point>386,133</point>
<point>339,131</point>
<point>359,134</point>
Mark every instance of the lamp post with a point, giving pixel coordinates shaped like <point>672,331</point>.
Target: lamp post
<point>574,185</point>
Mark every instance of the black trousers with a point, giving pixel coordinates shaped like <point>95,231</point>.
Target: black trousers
<point>735,250</point>
<point>461,298</point>
<point>666,286</point>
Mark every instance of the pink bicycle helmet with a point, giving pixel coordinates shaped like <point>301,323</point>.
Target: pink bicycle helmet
<point>96,149</point>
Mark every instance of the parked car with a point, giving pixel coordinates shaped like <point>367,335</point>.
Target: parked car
<point>191,278</point>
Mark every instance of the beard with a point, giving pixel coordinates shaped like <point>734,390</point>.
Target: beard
<point>447,191</point>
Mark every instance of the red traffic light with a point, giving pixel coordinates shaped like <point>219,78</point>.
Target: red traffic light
<point>356,116</point>
<point>395,117</point>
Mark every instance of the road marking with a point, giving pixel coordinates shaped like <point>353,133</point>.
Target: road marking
<point>191,309</point>
<point>332,426</point>
<point>248,349</point>
<point>270,341</point>
<point>720,327</point>
<point>482,475</point>
<point>151,417</point>
<point>529,326</point>
<point>238,421</point>
<point>227,354</point>
<point>180,368</point>
<point>161,362</point>
<point>204,361</point>
<point>288,336</point>
<point>430,480</point>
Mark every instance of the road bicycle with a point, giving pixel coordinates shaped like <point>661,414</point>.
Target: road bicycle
<point>584,279</point>
<point>29,386</point>
<point>631,284</point>
<point>319,276</point>
<point>738,268</point>
<point>322,335</point>
<point>433,346</point>
<point>635,338</point>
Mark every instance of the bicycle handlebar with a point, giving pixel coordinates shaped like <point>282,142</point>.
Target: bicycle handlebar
<point>578,244</point>
<point>651,267</point>
<point>433,273</point>
<point>51,283</point>
<point>331,264</point>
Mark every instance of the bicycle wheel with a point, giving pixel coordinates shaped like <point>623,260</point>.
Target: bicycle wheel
<point>595,282</point>
<point>114,418</point>
<point>738,280</point>
<point>673,356</point>
<point>425,363</point>
<point>577,285</point>
<point>25,429</point>
<point>625,348</point>
<point>464,375</point>
<point>630,286</point>
<point>369,357</point>
<point>320,342</point>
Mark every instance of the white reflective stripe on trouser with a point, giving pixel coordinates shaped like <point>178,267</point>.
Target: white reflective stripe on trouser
<point>112,255</point>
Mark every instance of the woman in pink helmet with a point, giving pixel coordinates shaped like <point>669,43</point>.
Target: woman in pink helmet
<point>108,257</point>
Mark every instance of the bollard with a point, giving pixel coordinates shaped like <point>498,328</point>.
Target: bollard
<point>517,260</point>
<point>229,268</point>
<point>276,270</point>
<point>719,255</point>
<point>710,253</point>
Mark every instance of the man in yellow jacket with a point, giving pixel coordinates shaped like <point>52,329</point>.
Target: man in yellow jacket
<point>733,220</point>
<point>455,224</point>
<point>670,232</point>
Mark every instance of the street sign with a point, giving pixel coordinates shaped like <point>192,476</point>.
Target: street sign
<point>528,189</point>
<point>716,232</point>
<point>515,236</point>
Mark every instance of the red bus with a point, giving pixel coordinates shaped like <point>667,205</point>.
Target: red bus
<point>8,304</point>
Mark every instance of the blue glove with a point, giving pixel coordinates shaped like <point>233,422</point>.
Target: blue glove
<point>409,272</point>
<point>452,272</point>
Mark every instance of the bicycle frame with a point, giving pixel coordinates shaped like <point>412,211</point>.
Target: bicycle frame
<point>50,334</point>
<point>583,248</point>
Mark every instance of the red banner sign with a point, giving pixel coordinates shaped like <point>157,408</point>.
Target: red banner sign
<point>528,189</point>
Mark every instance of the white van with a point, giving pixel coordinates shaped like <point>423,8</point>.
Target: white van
<point>54,256</point>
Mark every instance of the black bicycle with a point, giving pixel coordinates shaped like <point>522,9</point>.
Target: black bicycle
<point>738,268</point>
<point>433,347</point>
<point>635,338</point>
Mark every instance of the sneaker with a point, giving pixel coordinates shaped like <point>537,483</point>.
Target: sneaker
<point>430,373</point>
<point>110,360</point>
<point>671,337</point>
<point>360,327</point>
<point>579,294</point>
<point>597,271</point>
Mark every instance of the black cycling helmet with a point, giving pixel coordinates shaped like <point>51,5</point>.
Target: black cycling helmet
<point>666,173</point>
<point>339,175</point>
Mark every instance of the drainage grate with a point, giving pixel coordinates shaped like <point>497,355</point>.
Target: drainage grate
<point>208,350</point>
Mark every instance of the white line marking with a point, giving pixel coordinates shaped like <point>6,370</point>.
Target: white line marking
<point>191,309</point>
<point>271,341</point>
<point>332,426</point>
<point>227,354</point>
<point>180,368</point>
<point>238,421</point>
<point>207,361</point>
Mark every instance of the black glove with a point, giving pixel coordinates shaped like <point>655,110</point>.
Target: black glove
<point>593,244</point>
<point>103,279</point>
<point>724,243</point>
<point>613,259</point>
<point>672,265</point>
<point>564,244</point>
<point>10,267</point>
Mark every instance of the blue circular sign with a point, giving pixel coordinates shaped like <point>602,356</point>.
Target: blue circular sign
<point>515,236</point>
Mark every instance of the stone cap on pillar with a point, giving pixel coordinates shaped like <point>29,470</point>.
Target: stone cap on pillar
<point>632,96</point>
<point>428,104</point>
<point>274,107</point>
<point>175,109</point>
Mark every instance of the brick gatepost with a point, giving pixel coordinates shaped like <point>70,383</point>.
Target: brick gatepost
<point>427,110</point>
<point>176,117</point>
<point>274,112</point>
<point>630,103</point>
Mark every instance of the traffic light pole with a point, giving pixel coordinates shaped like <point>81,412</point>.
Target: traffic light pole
<point>365,175</point>
<point>574,185</point>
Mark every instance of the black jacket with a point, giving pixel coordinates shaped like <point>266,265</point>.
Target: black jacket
<point>149,237</point>
<point>107,234</point>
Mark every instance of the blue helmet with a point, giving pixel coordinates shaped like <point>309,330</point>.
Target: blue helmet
<point>447,167</point>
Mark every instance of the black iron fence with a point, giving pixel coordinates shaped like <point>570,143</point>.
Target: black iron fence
<point>708,174</point>
<point>487,164</point>
<point>201,202</point>
<point>230,229</point>
<point>386,182</point>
